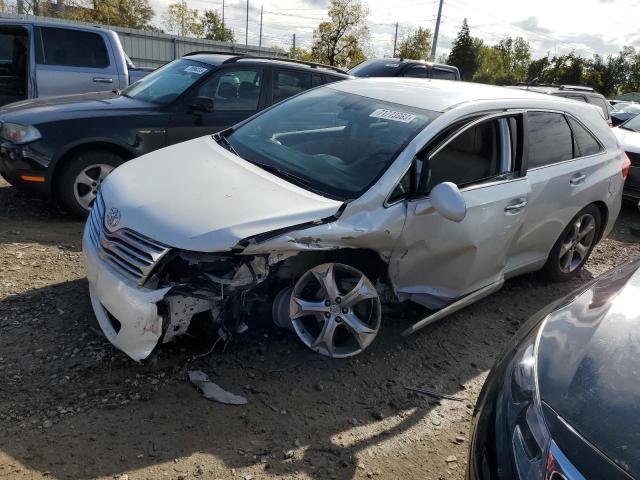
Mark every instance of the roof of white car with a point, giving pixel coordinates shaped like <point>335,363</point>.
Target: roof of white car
<point>434,95</point>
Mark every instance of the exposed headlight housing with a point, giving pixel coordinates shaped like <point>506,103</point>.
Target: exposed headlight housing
<point>530,438</point>
<point>19,134</point>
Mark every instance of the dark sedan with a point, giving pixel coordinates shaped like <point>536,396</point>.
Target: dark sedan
<point>562,403</point>
<point>65,146</point>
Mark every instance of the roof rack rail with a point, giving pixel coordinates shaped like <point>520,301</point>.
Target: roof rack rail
<point>579,88</point>
<point>243,56</point>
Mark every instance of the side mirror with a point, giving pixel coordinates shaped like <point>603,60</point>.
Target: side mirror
<point>448,201</point>
<point>202,104</point>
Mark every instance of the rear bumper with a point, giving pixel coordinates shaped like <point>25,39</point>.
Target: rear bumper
<point>138,326</point>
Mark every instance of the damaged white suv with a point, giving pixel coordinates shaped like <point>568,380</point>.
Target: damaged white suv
<point>344,197</point>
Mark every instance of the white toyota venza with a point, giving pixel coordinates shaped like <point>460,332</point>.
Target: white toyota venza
<point>345,197</point>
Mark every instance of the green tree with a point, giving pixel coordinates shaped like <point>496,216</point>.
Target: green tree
<point>463,53</point>
<point>214,29</point>
<point>416,44</point>
<point>182,20</point>
<point>341,41</point>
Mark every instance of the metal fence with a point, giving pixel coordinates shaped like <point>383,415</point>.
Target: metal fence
<point>151,49</point>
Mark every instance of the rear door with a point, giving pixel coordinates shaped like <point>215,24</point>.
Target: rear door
<point>237,93</point>
<point>437,260</point>
<point>70,61</point>
<point>562,167</point>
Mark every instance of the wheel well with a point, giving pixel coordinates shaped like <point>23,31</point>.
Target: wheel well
<point>604,214</point>
<point>365,260</point>
<point>87,147</point>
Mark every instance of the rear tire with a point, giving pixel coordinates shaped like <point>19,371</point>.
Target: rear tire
<point>574,246</point>
<point>80,179</point>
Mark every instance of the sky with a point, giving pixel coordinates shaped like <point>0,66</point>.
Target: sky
<point>551,26</point>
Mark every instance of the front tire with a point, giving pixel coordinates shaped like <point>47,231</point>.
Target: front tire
<point>79,181</point>
<point>572,250</point>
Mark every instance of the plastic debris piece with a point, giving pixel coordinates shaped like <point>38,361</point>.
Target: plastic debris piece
<point>211,391</point>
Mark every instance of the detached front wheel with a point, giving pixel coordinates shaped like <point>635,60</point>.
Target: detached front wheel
<point>335,310</point>
<point>79,181</point>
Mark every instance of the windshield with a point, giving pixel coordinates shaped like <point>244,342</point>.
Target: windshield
<point>167,83</point>
<point>336,143</point>
<point>633,124</point>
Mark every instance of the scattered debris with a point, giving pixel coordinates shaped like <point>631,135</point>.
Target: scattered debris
<point>433,394</point>
<point>451,459</point>
<point>212,391</point>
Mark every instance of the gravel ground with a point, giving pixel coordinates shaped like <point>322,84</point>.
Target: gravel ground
<point>72,406</point>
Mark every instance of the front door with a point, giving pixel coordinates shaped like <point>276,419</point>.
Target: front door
<point>437,260</point>
<point>236,95</point>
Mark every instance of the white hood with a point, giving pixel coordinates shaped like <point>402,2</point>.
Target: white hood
<point>629,141</point>
<point>198,196</point>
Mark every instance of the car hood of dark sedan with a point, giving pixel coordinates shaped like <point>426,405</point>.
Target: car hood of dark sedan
<point>589,365</point>
<point>42,110</point>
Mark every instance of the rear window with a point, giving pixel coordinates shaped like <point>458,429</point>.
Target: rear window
<point>550,139</point>
<point>376,68</point>
<point>74,48</point>
<point>443,74</point>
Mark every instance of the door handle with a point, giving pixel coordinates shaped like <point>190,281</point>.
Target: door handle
<point>516,206</point>
<point>578,179</point>
<point>102,80</point>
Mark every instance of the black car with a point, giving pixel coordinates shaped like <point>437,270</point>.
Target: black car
<point>404,67</point>
<point>65,146</point>
<point>562,403</point>
<point>574,92</point>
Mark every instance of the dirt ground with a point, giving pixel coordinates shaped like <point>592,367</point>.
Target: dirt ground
<point>72,406</point>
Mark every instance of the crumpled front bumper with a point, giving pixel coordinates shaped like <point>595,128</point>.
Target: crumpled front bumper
<point>138,326</point>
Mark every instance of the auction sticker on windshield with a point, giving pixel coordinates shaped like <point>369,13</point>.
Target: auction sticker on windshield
<point>196,70</point>
<point>394,115</point>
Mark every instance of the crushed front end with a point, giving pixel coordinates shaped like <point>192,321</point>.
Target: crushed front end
<point>144,293</point>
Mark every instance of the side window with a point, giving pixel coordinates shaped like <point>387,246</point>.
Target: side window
<point>442,74</point>
<point>579,98</point>
<point>587,145</point>
<point>316,80</point>
<point>417,72</point>
<point>331,79</point>
<point>404,187</point>
<point>73,48</point>
<point>234,89</point>
<point>473,156</point>
<point>599,102</point>
<point>550,139</point>
<point>287,83</point>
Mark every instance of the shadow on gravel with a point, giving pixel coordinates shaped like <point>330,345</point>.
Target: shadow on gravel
<point>28,219</point>
<point>72,406</point>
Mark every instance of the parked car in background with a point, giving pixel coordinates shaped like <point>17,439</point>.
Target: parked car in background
<point>574,92</point>
<point>65,146</point>
<point>404,67</point>
<point>562,402</point>
<point>628,134</point>
<point>627,97</point>
<point>351,193</point>
<point>45,59</point>
<point>624,112</point>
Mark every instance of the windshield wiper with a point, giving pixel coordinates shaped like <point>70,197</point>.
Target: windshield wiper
<point>283,174</point>
<point>222,140</point>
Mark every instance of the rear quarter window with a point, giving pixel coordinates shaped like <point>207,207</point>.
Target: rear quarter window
<point>587,144</point>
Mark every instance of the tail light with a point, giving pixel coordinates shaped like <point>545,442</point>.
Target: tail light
<point>626,165</point>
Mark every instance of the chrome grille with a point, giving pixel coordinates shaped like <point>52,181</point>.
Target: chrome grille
<point>130,253</point>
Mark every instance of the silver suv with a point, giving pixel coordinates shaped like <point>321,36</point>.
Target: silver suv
<point>347,196</point>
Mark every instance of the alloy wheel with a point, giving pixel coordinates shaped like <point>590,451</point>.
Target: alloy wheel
<point>86,184</point>
<point>335,310</point>
<point>577,243</point>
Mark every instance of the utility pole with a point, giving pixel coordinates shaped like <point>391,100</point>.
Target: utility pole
<point>260,41</point>
<point>222,13</point>
<point>246,32</point>
<point>395,41</point>
<point>293,50</point>
<point>435,33</point>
